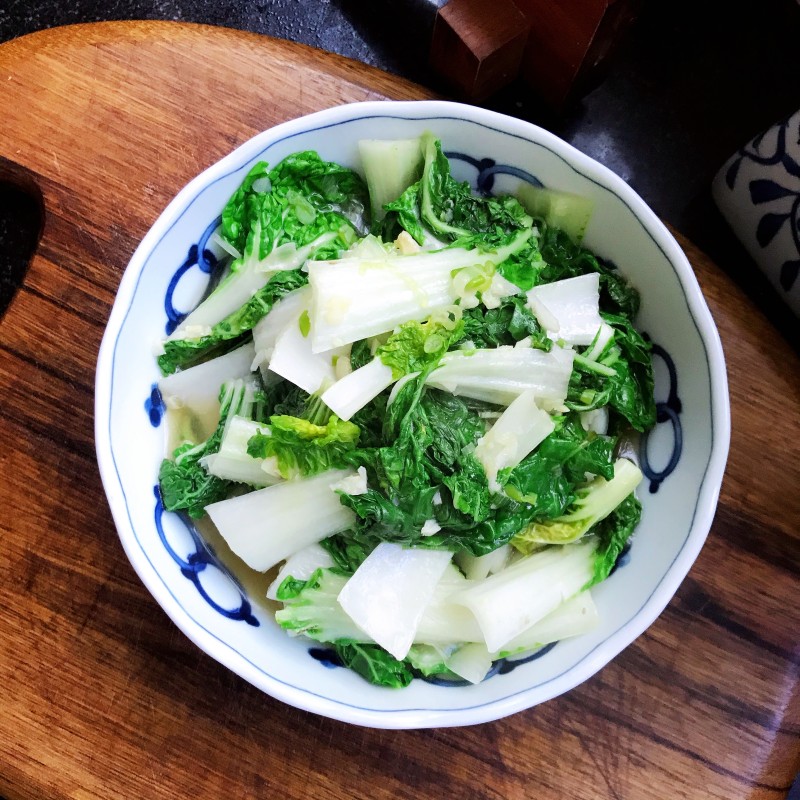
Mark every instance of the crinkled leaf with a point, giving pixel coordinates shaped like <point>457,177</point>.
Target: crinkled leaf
<point>524,268</point>
<point>453,425</point>
<point>546,479</point>
<point>508,324</point>
<point>304,448</point>
<point>360,354</point>
<point>403,215</point>
<point>188,487</point>
<point>594,502</point>
<point>629,391</point>
<point>612,535</point>
<point>304,202</point>
<point>451,210</point>
<point>271,199</point>
<point>375,665</point>
<point>417,346</point>
<point>469,488</point>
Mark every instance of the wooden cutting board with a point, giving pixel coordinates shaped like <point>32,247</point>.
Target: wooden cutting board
<point>102,697</point>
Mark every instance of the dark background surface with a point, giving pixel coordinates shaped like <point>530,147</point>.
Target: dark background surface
<point>690,84</point>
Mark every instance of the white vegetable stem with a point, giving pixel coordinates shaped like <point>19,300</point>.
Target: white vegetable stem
<point>441,622</point>
<point>604,336</point>
<point>293,359</point>
<point>198,387</point>
<point>510,602</point>
<point>471,662</point>
<point>387,594</point>
<point>390,168</point>
<point>301,566</point>
<point>233,463</point>
<point>595,420</point>
<point>398,386</point>
<point>444,622</point>
<point>476,568</point>
<point>573,617</point>
<point>269,327</point>
<point>352,484</point>
<point>520,428</point>
<point>502,374</point>
<point>498,289</point>
<point>248,276</point>
<point>352,392</point>
<point>289,256</point>
<point>572,304</point>
<point>355,298</point>
<point>269,525</point>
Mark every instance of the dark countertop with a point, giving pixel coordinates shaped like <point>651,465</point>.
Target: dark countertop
<point>689,85</point>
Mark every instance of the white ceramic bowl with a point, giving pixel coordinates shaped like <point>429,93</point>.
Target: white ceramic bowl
<point>687,451</point>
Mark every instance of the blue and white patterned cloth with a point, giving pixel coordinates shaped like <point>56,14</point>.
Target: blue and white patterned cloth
<point>758,192</point>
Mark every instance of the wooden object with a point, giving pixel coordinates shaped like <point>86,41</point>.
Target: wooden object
<point>477,46</point>
<point>560,49</point>
<point>570,42</point>
<point>102,697</point>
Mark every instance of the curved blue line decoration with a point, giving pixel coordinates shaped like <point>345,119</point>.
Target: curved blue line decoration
<point>487,169</point>
<point>506,665</point>
<point>667,411</point>
<point>154,406</point>
<point>326,656</point>
<point>198,256</point>
<point>196,562</point>
<point>623,559</point>
<point>503,666</point>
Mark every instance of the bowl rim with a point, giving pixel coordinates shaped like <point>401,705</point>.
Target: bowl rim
<point>592,662</point>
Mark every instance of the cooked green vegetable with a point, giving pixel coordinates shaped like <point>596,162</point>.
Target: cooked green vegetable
<point>449,210</point>
<point>563,258</point>
<point>593,503</point>
<point>621,377</point>
<point>429,436</point>
<point>185,484</point>
<point>547,479</point>
<point>228,332</point>
<point>276,221</point>
<point>375,664</point>
<point>302,447</point>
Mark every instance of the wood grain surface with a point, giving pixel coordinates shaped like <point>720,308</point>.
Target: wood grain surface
<point>102,697</point>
